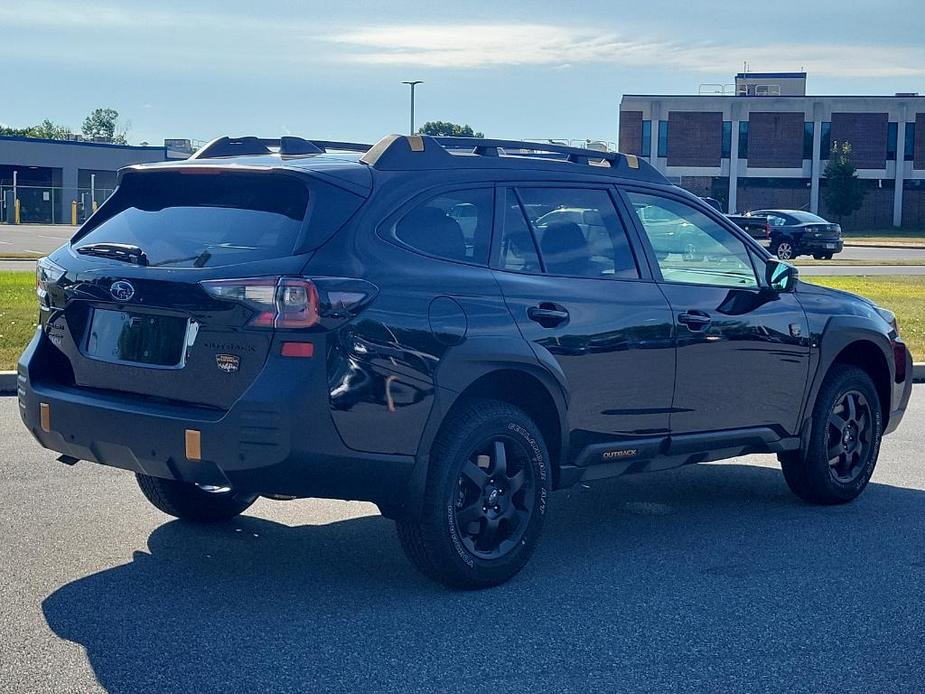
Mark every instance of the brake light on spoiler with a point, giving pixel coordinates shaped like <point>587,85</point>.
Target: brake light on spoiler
<point>295,302</point>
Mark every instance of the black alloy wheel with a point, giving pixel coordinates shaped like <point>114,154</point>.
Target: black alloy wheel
<point>849,436</point>
<point>495,497</point>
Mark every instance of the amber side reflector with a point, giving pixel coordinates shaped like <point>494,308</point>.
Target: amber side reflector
<point>45,416</point>
<point>306,350</point>
<point>193,445</point>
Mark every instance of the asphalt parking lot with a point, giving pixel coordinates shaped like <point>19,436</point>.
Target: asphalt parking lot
<point>712,578</point>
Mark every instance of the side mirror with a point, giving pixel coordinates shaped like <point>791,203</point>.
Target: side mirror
<point>780,276</point>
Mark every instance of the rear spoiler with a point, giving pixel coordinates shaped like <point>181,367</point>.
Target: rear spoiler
<point>286,145</point>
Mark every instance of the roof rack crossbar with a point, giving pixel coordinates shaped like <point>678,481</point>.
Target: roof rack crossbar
<point>288,144</point>
<point>482,146</point>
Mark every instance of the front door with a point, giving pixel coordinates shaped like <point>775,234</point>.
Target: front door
<point>570,278</point>
<point>743,352</point>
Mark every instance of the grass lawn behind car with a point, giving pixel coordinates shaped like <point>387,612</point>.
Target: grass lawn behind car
<point>903,294</point>
<point>18,315</point>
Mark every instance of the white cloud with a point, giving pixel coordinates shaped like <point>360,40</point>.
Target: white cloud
<point>486,45</point>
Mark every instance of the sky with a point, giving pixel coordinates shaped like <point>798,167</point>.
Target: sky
<point>333,70</point>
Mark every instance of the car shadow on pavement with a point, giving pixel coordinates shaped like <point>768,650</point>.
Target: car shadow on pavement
<point>711,578</point>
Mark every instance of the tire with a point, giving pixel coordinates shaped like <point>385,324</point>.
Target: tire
<point>827,256</point>
<point>818,256</point>
<point>784,250</point>
<point>467,474</point>
<point>191,502</point>
<point>810,474</point>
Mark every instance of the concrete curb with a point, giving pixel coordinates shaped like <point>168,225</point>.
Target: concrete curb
<point>7,383</point>
<point>8,379</point>
<point>895,246</point>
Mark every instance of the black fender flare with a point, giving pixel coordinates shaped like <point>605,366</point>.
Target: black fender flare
<point>463,365</point>
<point>840,332</point>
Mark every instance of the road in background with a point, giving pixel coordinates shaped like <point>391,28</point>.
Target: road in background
<point>709,578</point>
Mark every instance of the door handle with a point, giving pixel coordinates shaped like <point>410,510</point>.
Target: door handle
<point>547,314</point>
<point>695,320</point>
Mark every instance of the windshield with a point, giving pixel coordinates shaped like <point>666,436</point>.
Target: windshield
<point>202,219</point>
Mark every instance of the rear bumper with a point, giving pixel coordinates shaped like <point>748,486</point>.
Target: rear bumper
<point>820,246</point>
<point>277,439</point>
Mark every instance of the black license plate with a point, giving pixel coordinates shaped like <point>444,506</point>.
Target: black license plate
<point>140,338</point>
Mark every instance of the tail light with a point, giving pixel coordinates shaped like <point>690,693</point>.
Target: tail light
<point>294,302</point>
<point>46,274</point>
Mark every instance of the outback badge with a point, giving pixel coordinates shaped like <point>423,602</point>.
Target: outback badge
<point>228,363</point>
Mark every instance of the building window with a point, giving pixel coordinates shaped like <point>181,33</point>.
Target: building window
<point>663,138</point>
<point>727,139</point>
<point>909,149</point>
<point>826,146</point>
<point>646,138</point>
<point>892,130</point>
<point>808,132</point>
<point>743,139</point>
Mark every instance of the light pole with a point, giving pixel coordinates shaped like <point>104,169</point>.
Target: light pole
<point>412,84</point>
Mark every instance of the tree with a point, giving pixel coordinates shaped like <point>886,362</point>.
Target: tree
<point>103,123</point>
<point>447,129</point>
<point>843,192</point>
<point>47,130</point>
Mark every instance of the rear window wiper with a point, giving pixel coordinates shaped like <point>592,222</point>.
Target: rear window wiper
<point>117,251</point>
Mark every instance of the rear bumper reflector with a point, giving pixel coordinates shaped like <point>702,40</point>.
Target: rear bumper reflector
<point>306,350</point>
<point>45,416</point>
<point>193,442</point>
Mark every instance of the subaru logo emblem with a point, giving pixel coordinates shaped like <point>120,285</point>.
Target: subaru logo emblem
<point>122,290</point>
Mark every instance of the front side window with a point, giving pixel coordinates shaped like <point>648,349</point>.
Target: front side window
<point>454,225</point>
<point>690,247</point>
<point>577,232</point>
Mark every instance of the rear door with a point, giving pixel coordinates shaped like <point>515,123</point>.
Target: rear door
<point>743,350</point>
<point>583,301</point>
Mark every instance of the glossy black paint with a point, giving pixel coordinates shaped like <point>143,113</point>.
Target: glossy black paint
<point>627,375</point>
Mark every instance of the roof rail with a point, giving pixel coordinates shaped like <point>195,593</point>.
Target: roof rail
<point>286,145</point>
<point>409,152</point>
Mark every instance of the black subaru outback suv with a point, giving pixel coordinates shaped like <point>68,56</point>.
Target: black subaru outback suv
<point>414,324</point>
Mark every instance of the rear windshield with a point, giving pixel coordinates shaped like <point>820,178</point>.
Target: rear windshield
<point>203,220</point>
<point>804,217</point>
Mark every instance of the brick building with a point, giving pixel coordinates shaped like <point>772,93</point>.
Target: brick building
<point>765,143</point>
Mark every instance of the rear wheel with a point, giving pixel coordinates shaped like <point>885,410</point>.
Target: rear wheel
<point>784,250</point>
<point>193,502</point>
<point>845,441</point>
<point>485,499</point>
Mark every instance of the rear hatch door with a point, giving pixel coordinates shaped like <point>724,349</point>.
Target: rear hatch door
<point>131,314</point>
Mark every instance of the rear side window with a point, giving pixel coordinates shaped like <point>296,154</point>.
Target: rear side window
<point>206,219</point>
<point>454,225</point>
<point>577,231</point>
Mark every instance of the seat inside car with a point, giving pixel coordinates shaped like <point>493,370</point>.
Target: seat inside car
<point>430,230</point>
<point>566,250</point>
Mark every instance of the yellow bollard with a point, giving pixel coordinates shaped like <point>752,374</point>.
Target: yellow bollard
<point>73,213</point>
<point>17,213</point>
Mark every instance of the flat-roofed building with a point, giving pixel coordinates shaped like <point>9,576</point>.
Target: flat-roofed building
<point>46,176</point>
<point>764,142</point>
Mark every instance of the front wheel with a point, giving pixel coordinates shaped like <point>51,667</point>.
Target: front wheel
<point>193,502</point>
<point>485,500</point>
<point>844,442</point>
